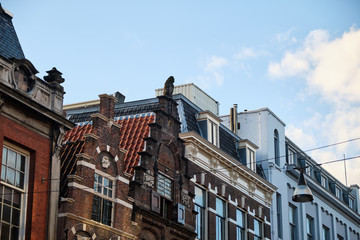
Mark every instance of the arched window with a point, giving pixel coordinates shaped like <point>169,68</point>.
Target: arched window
<point>276,147</point>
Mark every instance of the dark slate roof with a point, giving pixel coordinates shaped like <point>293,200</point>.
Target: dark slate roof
<point>187,115</point>
<point>9,43</point>
<point>123,109</point>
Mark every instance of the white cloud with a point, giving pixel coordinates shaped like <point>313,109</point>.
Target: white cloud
<point>285,37</point>
<point>212,73</point>
<point>246,53</point>
<point>331,69</point>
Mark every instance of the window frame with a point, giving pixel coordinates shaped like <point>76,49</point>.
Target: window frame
<point>276,147</point>
<point>261,230</point>
<point>240,228</point>
<point>221,219</point>
<point>309,227</point>
<point>279,215</point>
<point>22,191</point>
<point>104,198</point>
<point>213,132</point>
<point>201,216</point>
<point>293,222</point>
<point>325,233</point>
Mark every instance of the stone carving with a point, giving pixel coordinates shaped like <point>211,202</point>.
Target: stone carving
<point>252,188</point>
<point>169,86</point>
<point>186,200</point>
<point>149,179</point>
<point>105,162</point>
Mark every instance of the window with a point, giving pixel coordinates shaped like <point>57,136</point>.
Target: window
<point>276,148</point>
<point>324,181</point>
<point>338,192</point>
<point>291,156</point>
<point>339,237</point>
<point>200,209</point>
<point>278,213</point>
<point>351,203</point>
<point>240,225</point>
<point>164,186</point>
<point>258,231</point>
<point>325,233</point>
<point>213,134</point>
<point>292,221</point>
<point>102,200</point>
<point>220,219</point>
<point>12,188</point>
<point>309,227</point>
<point>250,156</point>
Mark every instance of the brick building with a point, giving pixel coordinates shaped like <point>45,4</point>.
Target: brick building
<point>126,177</point>
<point>170,150</point>
<point>31,129</point>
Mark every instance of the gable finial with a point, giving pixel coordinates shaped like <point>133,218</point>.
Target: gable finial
<point>169,86</point>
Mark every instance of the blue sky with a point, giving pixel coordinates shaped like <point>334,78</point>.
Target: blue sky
<point>301,59</point>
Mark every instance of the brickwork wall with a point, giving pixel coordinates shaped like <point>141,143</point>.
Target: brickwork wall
<point>250,204</point>
<point>37,197</point>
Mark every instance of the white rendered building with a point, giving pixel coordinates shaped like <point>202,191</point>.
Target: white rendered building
<point>334,212</point>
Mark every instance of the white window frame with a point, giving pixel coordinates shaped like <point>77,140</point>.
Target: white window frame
<point>103,196</point>
<point>292,156</point>
<point>251,158</point>
<point>213,132</point>
<point>293,221</point>
<point>309,227</point>
<point>323,181</point>
<point>351,202</point>
<point>23,204</point>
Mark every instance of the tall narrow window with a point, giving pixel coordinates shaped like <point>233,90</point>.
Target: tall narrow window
<point>351,203</point>
<point>325,233</point>
<point>213,135</point>
<point>291,156</point>
<point>220,219</point>
<point>240,225</point>
<point>102,200</point>
<point>278,213</point>
<point>309,228</point>
<point>12,188</point>
<point>200,209</point>
<point>164,186</point>
<point>292,221</point>
<point>276,148</point>
<point>258,230</point>
<point>251,159</point>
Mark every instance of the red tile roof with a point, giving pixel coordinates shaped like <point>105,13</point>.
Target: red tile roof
<point>132,133</point>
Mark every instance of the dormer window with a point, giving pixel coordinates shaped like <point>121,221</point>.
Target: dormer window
<point>209,125</point>
<point>247,151</point>
<point>351,203</point>
<point>291,157</point>
<point>338,192</point>
<point>324,181</point>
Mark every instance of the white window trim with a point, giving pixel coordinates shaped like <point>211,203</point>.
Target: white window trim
<point>26,184</point>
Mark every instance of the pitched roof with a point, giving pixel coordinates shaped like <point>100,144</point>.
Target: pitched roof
<point>133,130</point>
<point>9,43</point>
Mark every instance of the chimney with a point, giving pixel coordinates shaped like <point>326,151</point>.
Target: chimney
<point>234,119</point>
<point>107,104</point>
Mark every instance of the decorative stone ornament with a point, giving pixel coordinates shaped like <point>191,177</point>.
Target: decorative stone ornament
<point>186,200</point>
<point>105,162</point>
<point>149,179</point>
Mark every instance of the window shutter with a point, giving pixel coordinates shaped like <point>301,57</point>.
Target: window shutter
<point>155,202</point>
<point>181,213</point>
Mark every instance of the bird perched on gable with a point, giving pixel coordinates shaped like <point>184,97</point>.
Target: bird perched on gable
<point>169,86</point>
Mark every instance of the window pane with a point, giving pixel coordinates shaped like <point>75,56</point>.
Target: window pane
<point>239,218</point>
<point>96,210</point>
<point>14,233</point>
<point>5,231</point>
<point>7,196</point>
<point>4,155</point>
<point>220,205</point>
<point>3,172</point>
<point>6,213</point>
<point>15,217</point>
<point>11,158</point>
<point>10,178</point>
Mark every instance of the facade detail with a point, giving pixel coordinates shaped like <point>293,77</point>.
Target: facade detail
<point>32,126</point>
<point>334,212</point>
<point>188,180</point>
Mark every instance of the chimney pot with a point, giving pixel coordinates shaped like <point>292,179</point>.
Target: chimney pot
<point>107,105</point>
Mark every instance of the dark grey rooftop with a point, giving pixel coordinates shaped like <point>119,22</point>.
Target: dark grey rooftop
<point>9,43</point>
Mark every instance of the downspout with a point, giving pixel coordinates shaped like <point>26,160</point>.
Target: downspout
<point>49,180</point>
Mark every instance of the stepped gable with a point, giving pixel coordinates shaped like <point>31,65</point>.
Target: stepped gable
<point>134,129</point>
